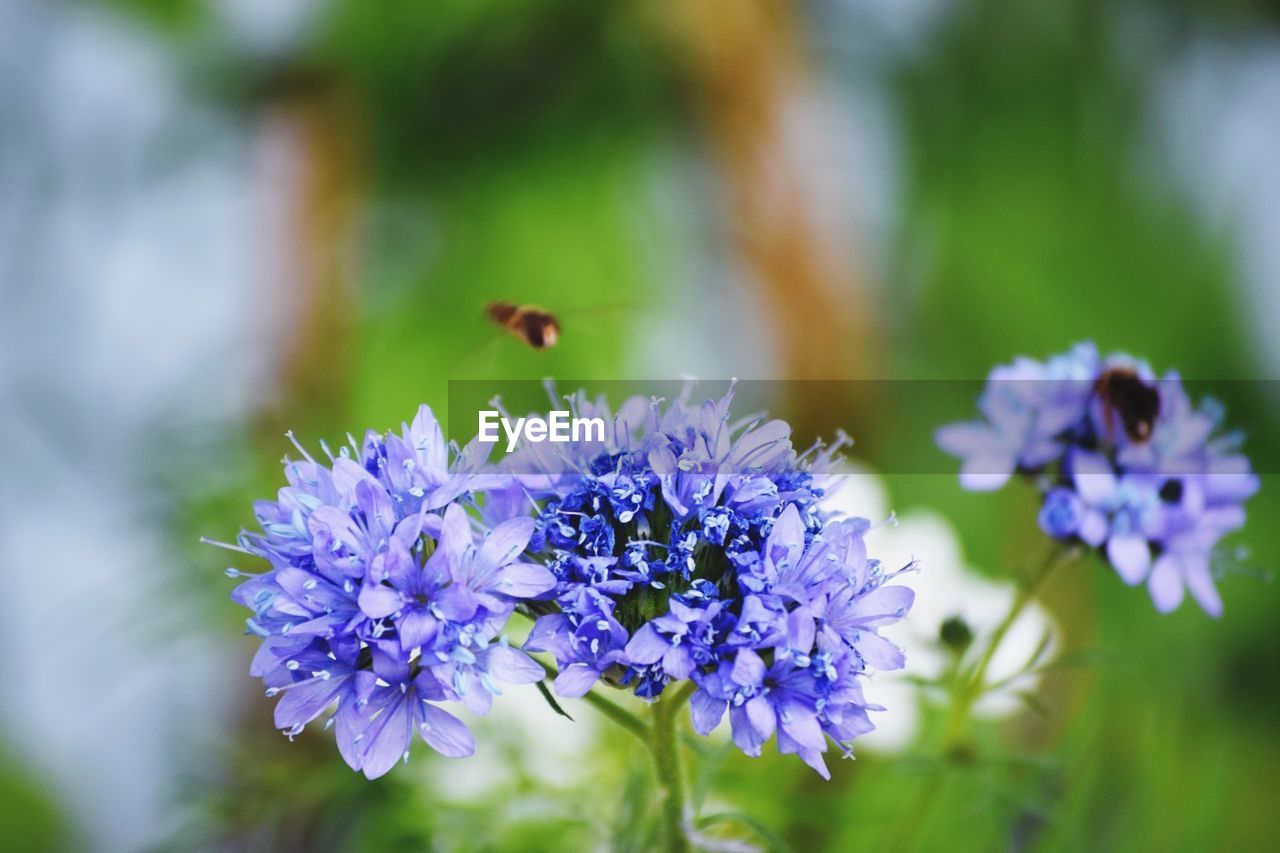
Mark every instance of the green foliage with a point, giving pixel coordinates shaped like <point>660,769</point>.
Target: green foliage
<point>455,88</point>
<point>29,817</point>
<point>168,16</point>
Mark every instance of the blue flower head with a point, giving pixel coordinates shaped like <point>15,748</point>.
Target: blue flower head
<point>1126,464</point>
<point>383,598</point>
<point>683,546</point>
<point>688,546</point>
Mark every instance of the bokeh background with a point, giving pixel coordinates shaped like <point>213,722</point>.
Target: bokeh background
<point>223,218</point>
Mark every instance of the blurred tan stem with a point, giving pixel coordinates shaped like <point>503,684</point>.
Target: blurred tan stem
<point>766,133</point>
<point>310,151</point>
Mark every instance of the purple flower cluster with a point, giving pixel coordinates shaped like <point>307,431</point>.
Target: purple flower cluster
<point>386,596</point>
<point>688,547</point>
<point>681,547</point>
<point>1126,464</point>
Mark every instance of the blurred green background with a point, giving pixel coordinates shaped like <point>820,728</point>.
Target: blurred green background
<point>234,218</point>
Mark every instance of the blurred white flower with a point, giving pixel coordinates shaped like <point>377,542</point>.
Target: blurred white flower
<point>946,587</point>
<point>523,730</point>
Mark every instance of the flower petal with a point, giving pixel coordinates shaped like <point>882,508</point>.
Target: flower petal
<point>879,653</point>
<point>748,669</point>
<point>707,711</point>
<point>678,662</point>
<point>377,601</point>
<point>1130,554</point>
<point>1094,479</point>
<point>882,606</point>
<point>575,680</point>
<point>744,733</point>
<point>444,732</point>
<point>762,717</point>
<point>524,580</point>
<point>386,740</point>
<point>301,704</point>
<point>417,628</point>
<point>513,666</point>
<point>1094,528</point>
<point>550,634</point>
<point>986,473</point>
<point>647,645</point>
<point>456,603</point>
<point>504,544</point>
<point>1165,584</point>
<point>802,726</point>
<point>349,724</point>
<point>1200,581</point>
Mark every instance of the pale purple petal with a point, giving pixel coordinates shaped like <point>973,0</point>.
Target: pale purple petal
<point>1094,478</point>
<point>524,580</point>
<point>744,734</point>
<point>879,653</point>
<point>417,627</point>
<point>454,539</point>
<point>348,726</point>
<point>986,473</point>
<point>476,698</point>
<point>787,536</point>
<point>662,461</point>
<point>301,704</point>
<point>647,645</point>
<point>1200,581</point>
<point>575,680</point>
<point>513,666</point>
<point>678,662</point>
<point>706,711</point>
<point>1094,528</point>
<point>1165,584</point>
<point>386,739</point>
<point>1130,555</point>
<point>800,629</point>
<point>966,439</point>
<point>377,601</point>
<point>425,436</point>
<point>882,606</point>
<point>504,544</point>
<point>444,732</point>
<point>550,634</point>
<point>456,603</point>
<point>803,727</point>
<point>762,716</point>
<point>814,759</point>
<point>748,668</point>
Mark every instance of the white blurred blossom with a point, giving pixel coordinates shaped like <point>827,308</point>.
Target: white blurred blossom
<point>947,587</point>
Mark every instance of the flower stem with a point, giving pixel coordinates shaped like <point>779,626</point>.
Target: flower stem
<point>973,684</point>
<point>619,715</point>
<point>666,760</point>
<point>660,738</point>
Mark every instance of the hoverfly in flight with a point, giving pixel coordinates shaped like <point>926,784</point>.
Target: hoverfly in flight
<point>536,327</point>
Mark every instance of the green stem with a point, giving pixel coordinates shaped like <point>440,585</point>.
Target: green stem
<point>973,685</point>
<point>660,738</point>
<point>619,715</point>
<point>666,760</point>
